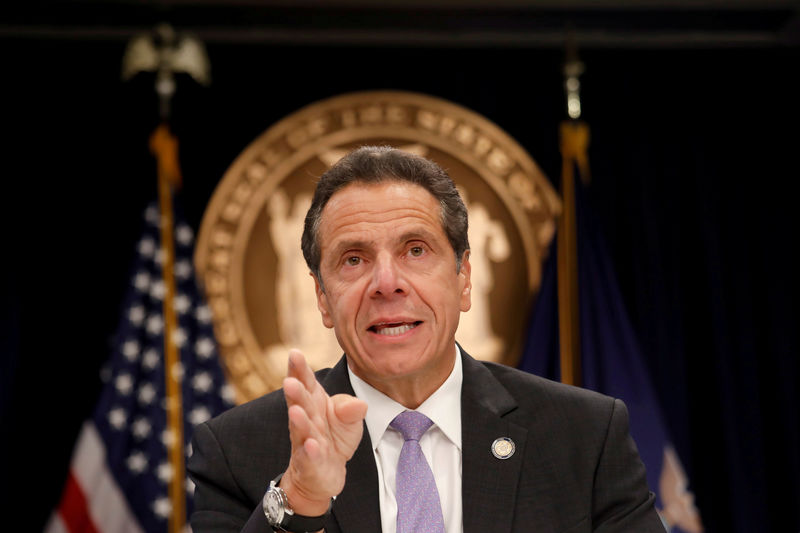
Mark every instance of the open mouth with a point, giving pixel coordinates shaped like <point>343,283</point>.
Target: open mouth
<point>392,329</point>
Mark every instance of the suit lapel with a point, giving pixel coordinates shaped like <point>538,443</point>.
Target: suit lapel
<point>489,485</point>
<point>357,508</point>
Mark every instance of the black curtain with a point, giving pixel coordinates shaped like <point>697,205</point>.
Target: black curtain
<point>697,189</point>
<point>693,175</point>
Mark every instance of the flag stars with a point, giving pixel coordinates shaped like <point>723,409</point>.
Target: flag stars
<point>147,394</point>
<point>152,215</point>
<point>202,382</point>
<point>184,234</point>
<point>136,315</point>
<point>165,472</point>
<point>142,281</point>
<point>124,384</point>
<point>137,422</point>
<point>157,290</point>
<point>117,418</point>
<point>141,428</point>
<point>178,371</point>
<point>162,507</point>
<point>136,462</point>
<point>147,246</point>
<point>130,349</point>
<point>150,359</point>
<point>227,394</point>
<point>183,269</point>
<point>198,415</point>
<point>204,348</point>
<point>168,438</point>
<point>203,314</point>
<point>155,324</point>
<point>182,304</point>
<point>179,337</point>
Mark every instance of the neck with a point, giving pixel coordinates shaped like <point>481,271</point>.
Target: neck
<point>411,391</point>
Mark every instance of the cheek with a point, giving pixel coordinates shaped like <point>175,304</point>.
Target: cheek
<point>346,302</point>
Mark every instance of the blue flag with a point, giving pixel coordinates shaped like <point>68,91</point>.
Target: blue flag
<point>120,471</point>
<point>611,363</point>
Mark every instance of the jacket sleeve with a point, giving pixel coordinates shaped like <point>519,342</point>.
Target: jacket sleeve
<point>621,500</point>
<point>221,505</point>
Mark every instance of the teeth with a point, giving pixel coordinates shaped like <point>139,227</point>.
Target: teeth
<point>396,330</point>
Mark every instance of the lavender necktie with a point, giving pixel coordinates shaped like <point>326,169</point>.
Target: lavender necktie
<point>418,507</point>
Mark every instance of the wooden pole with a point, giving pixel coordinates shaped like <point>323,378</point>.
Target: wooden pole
<point>165,147</point>
<point>574,136</point>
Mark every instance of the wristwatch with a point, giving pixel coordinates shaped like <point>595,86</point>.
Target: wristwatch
<point>281,517</point>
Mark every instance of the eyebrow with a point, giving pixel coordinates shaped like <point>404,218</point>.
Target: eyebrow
<point>417,235</point>
<point>356,244</point>
<point>343,246</point>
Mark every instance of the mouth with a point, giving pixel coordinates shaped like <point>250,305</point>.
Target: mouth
<point>393,329</point>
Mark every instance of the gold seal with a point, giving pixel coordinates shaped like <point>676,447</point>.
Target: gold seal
<point>248,253</point>
<point>503,448</point>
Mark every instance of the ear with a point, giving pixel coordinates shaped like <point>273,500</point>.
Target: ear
<point>465,282</point>
<point>322,303</point>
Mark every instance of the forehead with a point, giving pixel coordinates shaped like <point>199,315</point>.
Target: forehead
<point>366,206</point>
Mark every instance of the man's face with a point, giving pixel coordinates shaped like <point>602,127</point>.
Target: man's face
<point>392,292</point>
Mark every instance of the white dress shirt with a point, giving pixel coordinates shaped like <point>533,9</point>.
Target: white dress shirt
<point>441,445</point>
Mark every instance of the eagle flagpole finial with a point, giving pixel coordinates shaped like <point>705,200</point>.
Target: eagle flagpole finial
<point>165,52</point>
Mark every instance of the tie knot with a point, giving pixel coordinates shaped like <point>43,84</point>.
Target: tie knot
<point>411,424</point>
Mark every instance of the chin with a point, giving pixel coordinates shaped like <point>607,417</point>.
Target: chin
<point>393,367</point>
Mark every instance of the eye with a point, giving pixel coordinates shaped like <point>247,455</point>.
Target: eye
<point>353,260</point>
<point>416,251</point>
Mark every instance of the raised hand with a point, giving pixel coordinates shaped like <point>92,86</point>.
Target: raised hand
<point>325,432</point>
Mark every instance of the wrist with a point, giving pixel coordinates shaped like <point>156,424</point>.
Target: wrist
<point>282,517</point>
<point>300,502</point>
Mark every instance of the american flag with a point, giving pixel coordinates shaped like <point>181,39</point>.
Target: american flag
<point>120,471</point>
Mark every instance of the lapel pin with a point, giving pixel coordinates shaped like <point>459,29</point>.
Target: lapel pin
<point>503,448</point>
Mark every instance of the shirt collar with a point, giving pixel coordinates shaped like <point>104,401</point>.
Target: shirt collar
<point>440,407</point>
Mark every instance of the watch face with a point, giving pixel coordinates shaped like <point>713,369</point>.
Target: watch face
<point>273,507</point>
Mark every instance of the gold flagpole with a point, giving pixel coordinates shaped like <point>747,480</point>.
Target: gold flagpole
<point>164,52</point>
<point>574,141</point>
<point>165,147</point>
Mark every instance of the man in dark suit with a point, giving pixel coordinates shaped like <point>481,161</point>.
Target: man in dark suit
<point>386,241</point>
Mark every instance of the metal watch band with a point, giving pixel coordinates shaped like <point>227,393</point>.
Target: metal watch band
<point>296,523</point>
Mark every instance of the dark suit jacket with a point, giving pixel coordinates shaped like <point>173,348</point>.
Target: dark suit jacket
<point>575,468</point>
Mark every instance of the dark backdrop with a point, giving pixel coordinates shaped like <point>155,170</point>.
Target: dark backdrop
<point>693,158</point>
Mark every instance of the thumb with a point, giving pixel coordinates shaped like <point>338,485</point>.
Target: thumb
<point>349,409</point>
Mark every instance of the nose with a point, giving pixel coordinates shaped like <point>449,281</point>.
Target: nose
<point>387,277</point>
